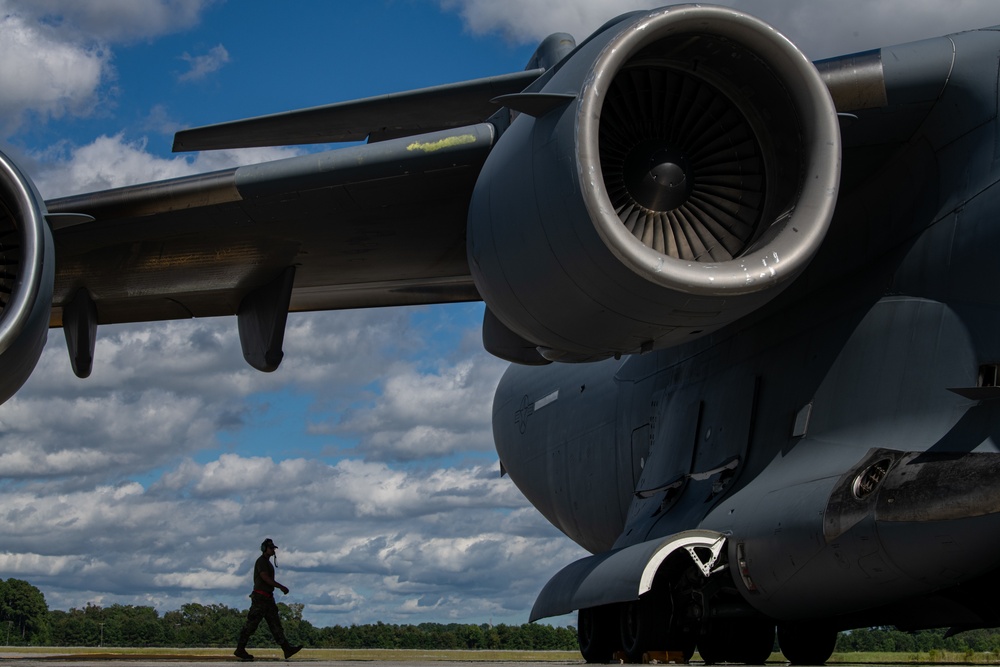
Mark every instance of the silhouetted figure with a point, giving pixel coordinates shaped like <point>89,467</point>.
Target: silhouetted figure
<point>263,605</point>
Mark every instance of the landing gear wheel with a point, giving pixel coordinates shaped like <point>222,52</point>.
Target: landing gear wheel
<point>597,633</point>
<point>682,631</point>
<point>749,641</point>
<point>806,644</point>
<point>755,642</point>
<point>643,625</point>
<point>712,644</point>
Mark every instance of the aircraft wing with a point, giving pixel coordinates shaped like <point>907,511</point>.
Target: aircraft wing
<point>374,118</point>
<point>373,225</point>
<point>381,224</point>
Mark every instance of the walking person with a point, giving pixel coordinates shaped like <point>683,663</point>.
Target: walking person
<point>263,606</point>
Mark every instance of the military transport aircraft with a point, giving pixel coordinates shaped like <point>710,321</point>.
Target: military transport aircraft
<point>770,288</point>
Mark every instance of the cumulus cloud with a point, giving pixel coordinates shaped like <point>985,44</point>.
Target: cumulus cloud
<point>110,20</point>
<point>43,75</point>
<point>56,57</point>
<point>449,541</point>
<point>112,162</point>
<point>417,414</point>
<point>203,65</point>
<point>161,392</point>
<point>362,532</point>
<point>847,25</point>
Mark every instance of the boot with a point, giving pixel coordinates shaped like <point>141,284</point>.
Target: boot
<point>290,650</point>
<point>242,654</point>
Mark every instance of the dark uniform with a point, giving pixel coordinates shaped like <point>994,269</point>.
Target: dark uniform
<point>263,606</point>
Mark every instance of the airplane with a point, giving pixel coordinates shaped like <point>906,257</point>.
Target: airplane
<point>749,303</point>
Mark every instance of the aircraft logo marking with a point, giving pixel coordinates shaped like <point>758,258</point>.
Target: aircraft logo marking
<point>522,414</point>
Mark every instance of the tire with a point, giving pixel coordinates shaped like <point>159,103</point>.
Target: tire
<point>806,643</point>
<point>597,633</point>
<point>712,645</point>
<point>643,627</point>
<point>748,641</point>
<point>755,642</point>
<point>684,624</point>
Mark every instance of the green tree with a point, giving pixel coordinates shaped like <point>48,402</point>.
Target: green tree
<point>77,627</point>
<point>206,625</point>
<point>24,612</point>
<point>129,625</point>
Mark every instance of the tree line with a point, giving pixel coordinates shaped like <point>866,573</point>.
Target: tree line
<point>888,639</point>
<point>25,619</point>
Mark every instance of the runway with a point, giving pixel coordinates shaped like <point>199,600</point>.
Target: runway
<point>271,657</point>
<point>318,658</point>
<point>22,660</point>
<point>37,661</point>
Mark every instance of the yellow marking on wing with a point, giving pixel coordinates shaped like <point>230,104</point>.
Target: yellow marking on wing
<point>448,142</point>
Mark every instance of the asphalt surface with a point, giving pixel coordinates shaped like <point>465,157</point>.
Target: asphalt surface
<point>35,661</point>
<point>118,660</point>
<point>55,660</point>
<point>22,660</point>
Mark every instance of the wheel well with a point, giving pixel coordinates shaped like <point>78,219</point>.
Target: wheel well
<point>706,560</point>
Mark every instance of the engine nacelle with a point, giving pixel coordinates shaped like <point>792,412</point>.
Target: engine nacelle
<point>676,172</point>
<point>27,271</point>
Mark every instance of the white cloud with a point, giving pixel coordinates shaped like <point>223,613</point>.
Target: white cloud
<point>45,76</point>
<point>363,531</point>
<point>847,25</point>
<point>366,543</point>
<point>56,57</point>
<point>112,162</point>
<point>203,65</point>
<point>110,20</point>
<point>163,391</point>
<point>419,415</point>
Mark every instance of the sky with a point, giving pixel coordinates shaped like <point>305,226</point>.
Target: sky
<point>367,456</point>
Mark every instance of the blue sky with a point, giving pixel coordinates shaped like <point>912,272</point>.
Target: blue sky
<point>262,57</point>
<point>367,456</point>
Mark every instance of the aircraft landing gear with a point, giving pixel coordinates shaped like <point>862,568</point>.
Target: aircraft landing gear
<point>596,633</point>
<point>643,625</point>
<point>686,606</point>
<point>647,624</point>
<point>655,624</point>
<point>805,643</point>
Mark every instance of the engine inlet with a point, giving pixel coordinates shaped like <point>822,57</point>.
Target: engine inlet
<point>681,164</point>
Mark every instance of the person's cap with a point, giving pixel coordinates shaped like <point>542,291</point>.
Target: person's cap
<point>268,543</point>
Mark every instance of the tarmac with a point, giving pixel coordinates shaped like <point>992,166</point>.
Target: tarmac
<point>124,660</point>
<point>266,656</point>
<point>36,661</point>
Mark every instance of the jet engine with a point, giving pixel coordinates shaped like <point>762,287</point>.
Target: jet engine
<point>672,174</point>
<point>26,277</point>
